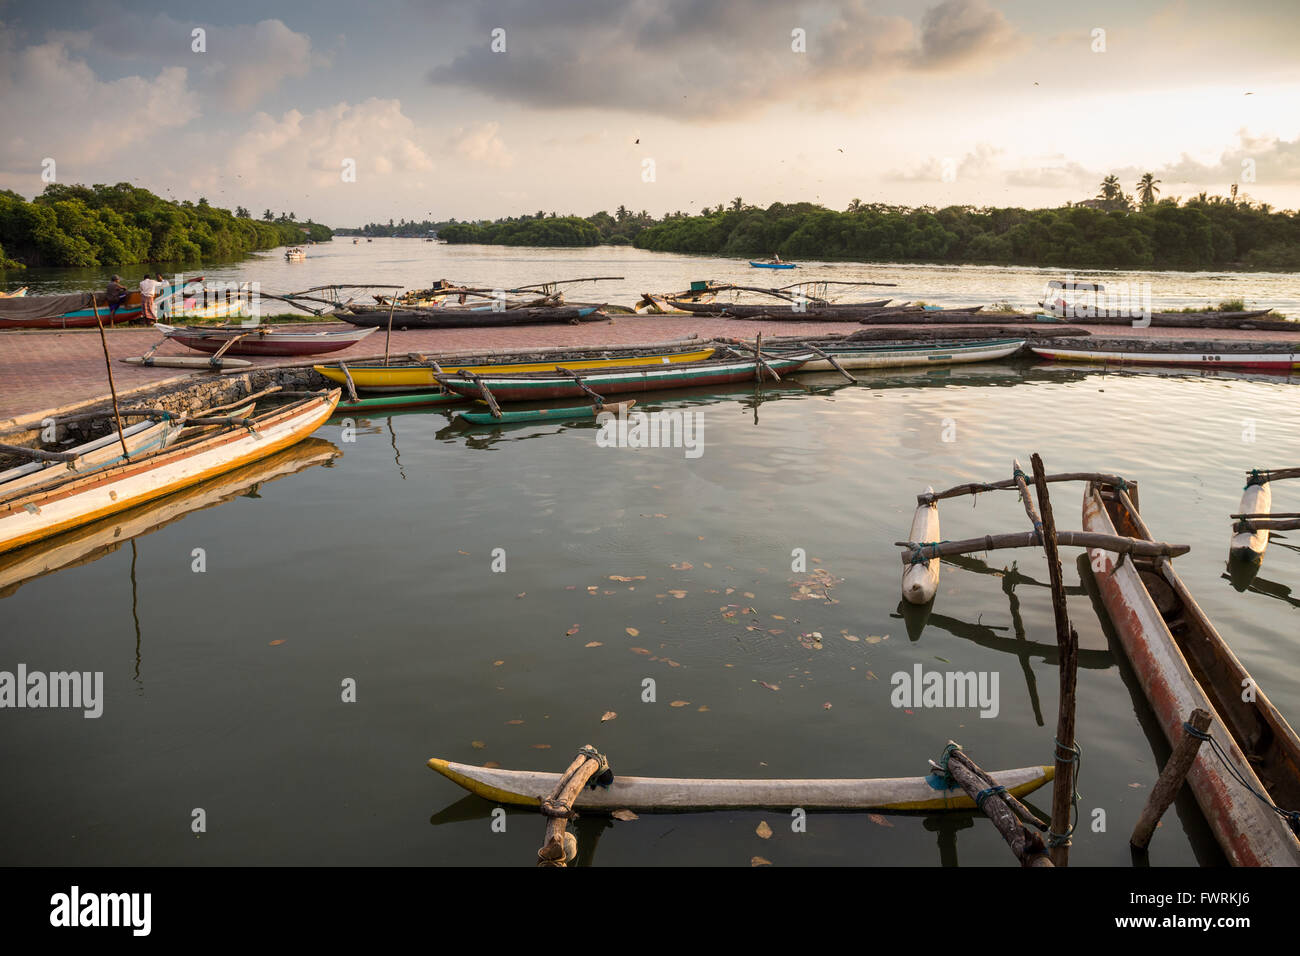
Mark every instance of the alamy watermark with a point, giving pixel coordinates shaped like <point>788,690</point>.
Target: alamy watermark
<point>1073,299</point>
<point>57,689</point>
<point>958,689</point>
<point>675,428</point>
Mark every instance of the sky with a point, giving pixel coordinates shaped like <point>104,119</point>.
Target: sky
<point>349,112</point>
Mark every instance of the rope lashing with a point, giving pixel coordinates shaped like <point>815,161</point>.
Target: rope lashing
<point>948,779</point>
<point>1075,756</point>
<point>986,793</point>
<point>604,774</point>
<point>1292,817</point>
<point>918,551</point>
<point>1256,476</point>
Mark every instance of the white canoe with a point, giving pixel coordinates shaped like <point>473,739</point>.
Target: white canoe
<point>1250,545</point>
<point>1279,361</point>
<point>140,438</point>
<point>921,581</point>
<point>46,511</point>
<point>522,787</point>
<point>896,356</point>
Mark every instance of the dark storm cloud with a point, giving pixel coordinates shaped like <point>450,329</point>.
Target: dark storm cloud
<point>700,59</point>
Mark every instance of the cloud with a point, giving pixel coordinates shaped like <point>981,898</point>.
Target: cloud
<point>56,106</point>
<point>481,145</point>
<point>974,165</point>
<point>721,58</point>
<point>251,61</point>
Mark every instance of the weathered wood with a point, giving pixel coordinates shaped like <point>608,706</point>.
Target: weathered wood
<point>388,336</point>
<point>245,400</point>
<point>352,388</point>
<point>1276,474</point>
<point>112,388</point>
<point>1026,844</point>
<point>830,358</point>
<point>558,807</point>
<point>1029,539</point>
<point>577,380</point>
<point>1068,642</point>
<point>1171,779</point>
<point>22,451</point>
<point>486,392</point>
<point>1271,524</point>
<point>975,488</point>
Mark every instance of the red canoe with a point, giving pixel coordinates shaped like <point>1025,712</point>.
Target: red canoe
<point>264,339</point>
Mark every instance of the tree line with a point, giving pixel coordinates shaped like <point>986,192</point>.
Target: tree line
<point>1113,230</point>
<point>126,225</point>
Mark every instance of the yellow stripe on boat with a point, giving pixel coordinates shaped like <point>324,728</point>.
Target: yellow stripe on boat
<point>421,376</point>
<point>521,788</point>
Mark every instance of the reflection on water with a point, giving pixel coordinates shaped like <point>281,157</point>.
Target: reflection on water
<point>625,565</point>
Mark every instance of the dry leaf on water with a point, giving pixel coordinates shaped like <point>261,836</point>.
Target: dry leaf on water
<point>593,644</point>
<point>632,632</point>
<point>682,566</point>
<point>515,722</point>
<point>573,630</point>
<point>624,815</point>
<point>541,746</point>
<point>608,715</point>
<point>679,703</point>
<point>878,820</point>
<point>477,744</point>
<point>280,641</point>
<point>763,830</point>
<point>759,861</point>
<point>770,686</point>
<point>497,663</point>
<point>638,650</point>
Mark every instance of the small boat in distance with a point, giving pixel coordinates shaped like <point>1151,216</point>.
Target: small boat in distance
<point>295,255</point>
<point>773,263</point>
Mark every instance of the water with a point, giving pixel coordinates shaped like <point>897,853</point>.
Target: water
<point>414,263</point>
<point>375,565</point>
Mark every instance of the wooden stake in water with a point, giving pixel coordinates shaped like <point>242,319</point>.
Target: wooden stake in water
<point>1171,779</point>
<point>108,364</point>
<point>389,337</point>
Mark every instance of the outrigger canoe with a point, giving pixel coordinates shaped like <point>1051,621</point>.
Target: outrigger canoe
<point>854,355</point>
<point>548,414</point>
<point>76,309</point>
<point>544,386</point>
<point>54,507</point>
<point>391,378</point>
<point>442,317</point>
<point>1183,663</point>
<point>384,402</point>
<point>140,439</point>
<point>647,794</point>
<point>1264,356</point>
<point>264,339</point>
<point>772,265</point>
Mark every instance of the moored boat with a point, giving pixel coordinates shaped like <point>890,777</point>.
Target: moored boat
<point>1183,663</point>
<point>647,794</point>
<point>294,255</point>
<point>569,413</point>
<point>139,439</point>
<point>444,317</point>
<point>863,355</point>
<point>772,265</point>
<point>264,339</point>
<point>39,513</point>
<point>1263,356</point>
<point>74,310</point>
<point>408,376</point>
<point>544,386</point>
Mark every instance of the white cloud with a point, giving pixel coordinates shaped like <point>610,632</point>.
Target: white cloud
<point>481,144</point>
<point>248,62</point>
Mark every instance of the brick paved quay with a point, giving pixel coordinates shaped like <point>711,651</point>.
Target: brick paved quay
<point>43,370</point>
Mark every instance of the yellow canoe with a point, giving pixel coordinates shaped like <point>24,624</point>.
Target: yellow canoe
<point>408,377</point>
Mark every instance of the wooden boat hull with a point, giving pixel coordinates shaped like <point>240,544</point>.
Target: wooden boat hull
<point>1277,361</point>
<point>266,340</point>
<point>386,402</point>
<point>772,265</point>
<point>140,439</point>
<point>545,386</point>
<point>899,356</point>
<point>27,518</point>
<point>648,794</point>
<point>921,580</point>
<point>407,377</point>
<point>443,318</point>
<point>80,318</point>
<point>1249,833</point>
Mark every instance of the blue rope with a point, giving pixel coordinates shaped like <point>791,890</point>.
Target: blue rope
<point>985,794</point>
<point>918,553</point>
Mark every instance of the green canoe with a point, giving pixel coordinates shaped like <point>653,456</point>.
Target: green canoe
<point>414,400</point>
<point>543,414</point>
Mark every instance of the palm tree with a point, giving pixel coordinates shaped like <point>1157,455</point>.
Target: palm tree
<point>855,205</point>
<point>737,204</point>
<point>1146,189</point>
<point>1111,191</point>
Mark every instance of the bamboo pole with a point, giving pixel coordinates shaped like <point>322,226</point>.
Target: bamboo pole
<point>977,487</point>
<point>22,451</point>
<point>108,363</point>
<point>1276,474</point>
<point>830,358</point>
<point>1262,524</point>
<point>388,337</point>
<point>1026,844</point>
<point>1171,779</point>
<point>352,388</point>
<point>1067,639</point>
<point>558,807</point>
<point>1030,539</point>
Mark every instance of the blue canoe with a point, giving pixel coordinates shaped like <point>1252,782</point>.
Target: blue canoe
<point>771,265</point>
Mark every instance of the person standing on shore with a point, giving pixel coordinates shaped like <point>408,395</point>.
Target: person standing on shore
<point>149,288</point>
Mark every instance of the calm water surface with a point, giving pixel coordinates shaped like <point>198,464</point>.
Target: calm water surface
<point>375,565</point>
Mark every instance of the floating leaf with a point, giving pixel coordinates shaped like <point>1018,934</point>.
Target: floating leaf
<point>477,744</point>
<point>878,820</point>
<point>677,593</point>
<point>632,632</point>
<point>638,650</point>
<point>826,706</point>
<point>624,815</point>
<point>682,566</point>
<point>593,644</point>
<point>770,686</point>
<point>521,594</point>
<point>607,715</point>
<point>458,551</point>
<point>279,642</point>
<point>852,637</point>
<point>514,722</point>
<point>874,639</point>
<point>944,659</point>
<point>703,709</point>
<point>541,746</point>
<point>573,630</point>
<point>497,663</point>
<point>763,830</point>
<point>679,703</point>
<point>749,594</point>
<point>759,861</point>
<point>778,617</point>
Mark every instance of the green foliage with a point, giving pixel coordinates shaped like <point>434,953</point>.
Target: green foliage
<point>526,231</point>
<point>125,225</point>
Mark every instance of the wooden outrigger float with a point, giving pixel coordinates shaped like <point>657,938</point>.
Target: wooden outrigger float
<point>928,793</point>
<point>1183,664</point>
<point>39,513</point>
<point>1254,520</point>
